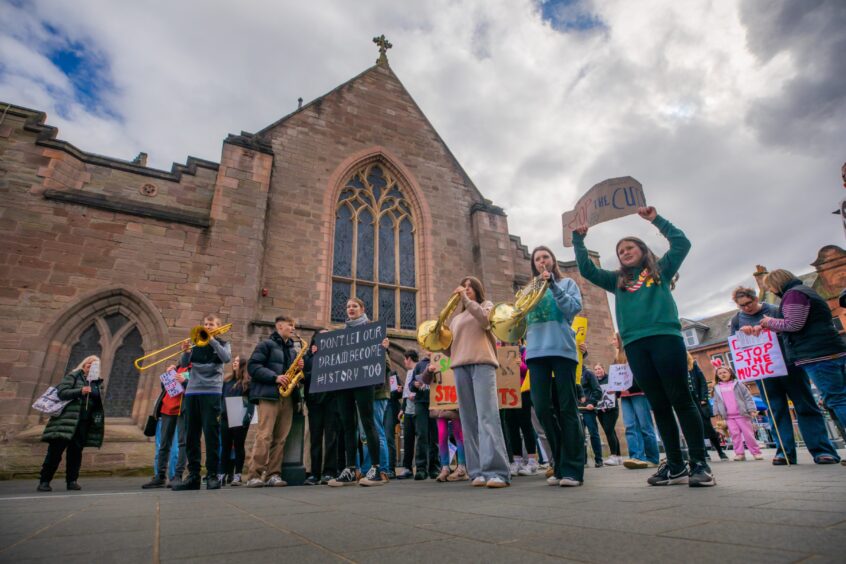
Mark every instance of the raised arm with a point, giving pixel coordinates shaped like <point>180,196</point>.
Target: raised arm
<point>605,279</point>
<point>679,247</point>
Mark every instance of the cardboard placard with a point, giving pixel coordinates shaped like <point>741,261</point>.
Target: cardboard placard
<point>352,357</point>
<point>442,392</point>
<point>609,398</point>
<point>756,358</point>
<point>508,378</point>
<point>620,377</point>
<point>610,199</point>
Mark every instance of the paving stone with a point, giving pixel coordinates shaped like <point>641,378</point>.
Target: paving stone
<point>194,543</point>
<point>301,554</point>
<point>812,540</point>
<point>452,550</point>
<point>833,506</point>
<point>759,514</point>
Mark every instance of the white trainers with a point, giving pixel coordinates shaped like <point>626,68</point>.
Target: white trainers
<point>479,482</point>
<point>530,469</point>
<point>552,481</point>
<point>372,478</point>
<point>612,461</point>
<point>497,482</point>
<point>255,483</point>
<point>514,467</point>
<point>236,480</point>
<point>569,483</point>
<point>276,481</point>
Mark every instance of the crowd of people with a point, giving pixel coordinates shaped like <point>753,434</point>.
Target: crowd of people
<point>351,432</point>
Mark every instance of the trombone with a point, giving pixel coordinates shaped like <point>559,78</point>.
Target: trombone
<point>199,338</point>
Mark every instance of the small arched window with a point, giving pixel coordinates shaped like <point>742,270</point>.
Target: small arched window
<point>374,249</point>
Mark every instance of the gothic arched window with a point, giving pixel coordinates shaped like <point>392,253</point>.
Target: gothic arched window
<point>374,249</point>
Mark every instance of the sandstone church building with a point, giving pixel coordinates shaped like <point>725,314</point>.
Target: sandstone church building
<point>353,194</point>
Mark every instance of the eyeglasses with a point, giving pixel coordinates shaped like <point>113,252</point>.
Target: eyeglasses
<point>750,303</point>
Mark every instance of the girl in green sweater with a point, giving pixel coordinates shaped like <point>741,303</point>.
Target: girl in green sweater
<point>649,327</point>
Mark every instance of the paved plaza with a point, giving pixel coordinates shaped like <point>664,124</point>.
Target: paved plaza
<point>757,513</point>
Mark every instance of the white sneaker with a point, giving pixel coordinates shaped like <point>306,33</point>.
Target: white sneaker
<point>497,482</point>
<point>276,481</point>
<point>611,461</point>
<point>255,483</point>
<point>479,482</point>
<point>530,469</point>
<point>569,483</point>
<point>515,468</point>
<point>552,481</point>
<point>236,480</point>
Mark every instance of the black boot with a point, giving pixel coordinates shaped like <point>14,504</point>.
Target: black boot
<point>73,486</point>
<point>44,487</point>
<point>156,482</point>
<point>192,482</point>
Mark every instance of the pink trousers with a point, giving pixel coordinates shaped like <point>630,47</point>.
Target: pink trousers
<point>741,430</point>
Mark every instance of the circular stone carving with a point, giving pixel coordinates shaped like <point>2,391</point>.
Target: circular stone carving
<point>149,190</point>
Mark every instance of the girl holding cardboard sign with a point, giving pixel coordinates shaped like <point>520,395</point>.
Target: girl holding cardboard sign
<point>649,327</point>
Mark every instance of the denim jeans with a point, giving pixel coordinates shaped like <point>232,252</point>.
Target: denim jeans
<point>796,388</point>
<point>379,407</point>
<point>640,432</point>
<point>589,418</point>
<point>829,376</point>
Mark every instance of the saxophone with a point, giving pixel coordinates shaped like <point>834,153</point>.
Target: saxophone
<point>294,373</point>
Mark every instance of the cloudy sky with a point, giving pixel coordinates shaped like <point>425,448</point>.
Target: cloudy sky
<point>731,113</point>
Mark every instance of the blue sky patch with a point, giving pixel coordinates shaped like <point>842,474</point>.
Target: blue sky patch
<point>570,15</point>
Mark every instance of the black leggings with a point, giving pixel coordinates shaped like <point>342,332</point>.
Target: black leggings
<point>659,365</point>
<point>519,421</point>
<point>709,430</point>
<point>347,401</point>
<point>564,432</point>
<point>232,437</point>
<point>322,430</point>
<point>608,420</point>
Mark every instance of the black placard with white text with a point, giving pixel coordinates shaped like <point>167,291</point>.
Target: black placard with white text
<point>352,357</point>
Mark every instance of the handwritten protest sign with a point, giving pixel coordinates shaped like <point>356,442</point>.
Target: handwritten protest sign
<point>508,378</point>
<point>442,392</point>
<point>620,377</point>
<point>349,358</point>
<point>235,411</point>
<point>609,398</point>
<point>610,199</point>
<point>756,358</point>
<point>171,385</point>
<point>580,325</point>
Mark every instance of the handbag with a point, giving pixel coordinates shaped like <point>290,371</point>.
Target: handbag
<point>150,426</point>
<point>49,402</point>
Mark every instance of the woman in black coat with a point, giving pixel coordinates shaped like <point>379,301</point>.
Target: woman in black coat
<point>80,424</point>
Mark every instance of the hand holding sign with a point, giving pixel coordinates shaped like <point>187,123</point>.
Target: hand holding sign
<point>610,199</point>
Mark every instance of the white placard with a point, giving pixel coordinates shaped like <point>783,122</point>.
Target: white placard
<point>609,398</point>
<point>620,377</point>
<point>171,384</point>
<point>756,358</point>
<point>235,410</point>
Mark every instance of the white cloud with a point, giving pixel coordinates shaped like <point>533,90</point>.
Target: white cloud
<point>669,92</point>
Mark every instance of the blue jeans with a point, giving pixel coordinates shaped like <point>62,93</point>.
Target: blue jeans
<point>174,450</point>
<point>640,431</point>
<point>796,388</point>
<point>592,427</point>
<point>829,376</point>
<point>379,407</point>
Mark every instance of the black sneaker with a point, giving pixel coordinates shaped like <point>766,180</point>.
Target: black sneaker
<point>345,478</point>
<point>421,476</point>
<point>405,475</point>
<point>74,487</point>
<point>212,483</point>
<point>723,457</point>
<point>44,487</point>
<point>156,482</point>
<point>311,481</point>
<point>701,476</point>
<point>192,482</point>
<point>373,478</point>
<point>325,479</point>
<point>597,464</point>
<point>665,477</point>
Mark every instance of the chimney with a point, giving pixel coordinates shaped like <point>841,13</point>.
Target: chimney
<point>141,159</point>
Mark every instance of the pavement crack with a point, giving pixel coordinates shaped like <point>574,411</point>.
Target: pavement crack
<point>157,533</point>
<point>43,529</point>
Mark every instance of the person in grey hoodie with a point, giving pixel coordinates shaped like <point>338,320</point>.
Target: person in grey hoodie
<point>202,405</point>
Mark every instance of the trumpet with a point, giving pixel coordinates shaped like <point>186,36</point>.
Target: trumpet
<point>508,321</point>
<point>200,337</point>
<point>294,373</point>
<point>432,335</point>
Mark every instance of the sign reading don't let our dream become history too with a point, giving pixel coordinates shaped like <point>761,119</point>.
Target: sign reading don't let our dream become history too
<point>349,358</point>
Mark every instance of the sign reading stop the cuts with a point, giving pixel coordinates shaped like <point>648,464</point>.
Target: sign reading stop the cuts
<point>349,358</point>
<point>756,358</point>
<point>610,199</point>
<point>443,394</point>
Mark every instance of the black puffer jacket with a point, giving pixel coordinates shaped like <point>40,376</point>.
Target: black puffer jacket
<point>590,387</point>
<point>271,358</point>
<point>63,426</point>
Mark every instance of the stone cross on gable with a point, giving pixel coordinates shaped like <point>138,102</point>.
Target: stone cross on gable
<point>384,45</point>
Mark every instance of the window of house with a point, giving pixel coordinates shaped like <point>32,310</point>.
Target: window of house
<point>374,249</point>
<point>690,338</point>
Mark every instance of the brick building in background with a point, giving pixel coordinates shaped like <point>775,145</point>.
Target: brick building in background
<point>706,339</point>
<point>353,193</point>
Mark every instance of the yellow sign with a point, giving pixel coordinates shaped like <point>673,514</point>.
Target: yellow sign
<point>580,325</point>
